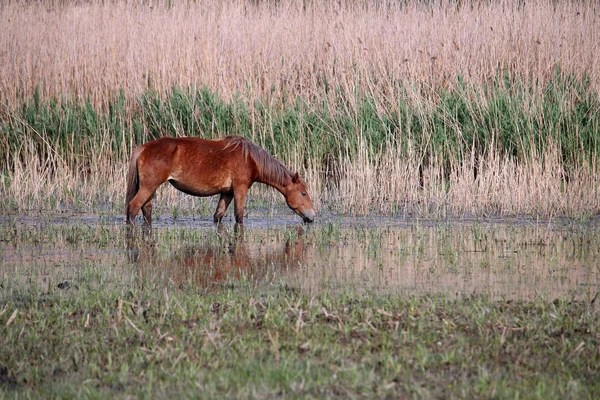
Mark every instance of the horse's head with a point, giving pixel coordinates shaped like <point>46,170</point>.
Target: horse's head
<point>298,199</point>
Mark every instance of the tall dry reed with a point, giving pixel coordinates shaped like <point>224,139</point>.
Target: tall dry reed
<point>280,50</point>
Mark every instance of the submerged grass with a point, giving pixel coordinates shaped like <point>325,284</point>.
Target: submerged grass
<point>243,341</point>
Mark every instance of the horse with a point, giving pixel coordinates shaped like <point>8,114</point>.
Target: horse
<point>202,167</point>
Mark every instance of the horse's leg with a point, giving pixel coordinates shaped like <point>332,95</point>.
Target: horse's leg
<point>239,195</point>
<point>224,201</point>
<point>142,197</point>
<point>147,210</point>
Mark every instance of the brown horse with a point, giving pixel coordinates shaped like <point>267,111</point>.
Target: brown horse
<point>201,167</point>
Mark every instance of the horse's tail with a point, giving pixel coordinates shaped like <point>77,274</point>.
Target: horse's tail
<point>133,180</point>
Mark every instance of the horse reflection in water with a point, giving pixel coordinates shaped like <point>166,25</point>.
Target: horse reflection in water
<point>211,264</point>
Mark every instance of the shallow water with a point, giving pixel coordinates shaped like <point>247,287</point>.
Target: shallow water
<point>516,259</point>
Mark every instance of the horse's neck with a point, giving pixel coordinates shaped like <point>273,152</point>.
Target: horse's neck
<point>275,181</point>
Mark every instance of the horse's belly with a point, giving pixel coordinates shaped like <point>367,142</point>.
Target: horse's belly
<point>202,189</point>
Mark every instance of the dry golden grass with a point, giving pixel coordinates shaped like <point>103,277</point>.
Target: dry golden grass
<point>381,183</point>
<point>389,183</point>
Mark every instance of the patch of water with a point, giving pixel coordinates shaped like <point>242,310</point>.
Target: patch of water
<point>516,259</point>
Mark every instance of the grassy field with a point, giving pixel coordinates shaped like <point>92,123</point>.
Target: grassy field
<point>244,341</point>
<point>421,108</point>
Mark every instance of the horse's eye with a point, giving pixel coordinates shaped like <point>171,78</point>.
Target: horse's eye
<point>303,194</point>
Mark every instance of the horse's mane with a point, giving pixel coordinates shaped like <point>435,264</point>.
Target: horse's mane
<point>270,169</point>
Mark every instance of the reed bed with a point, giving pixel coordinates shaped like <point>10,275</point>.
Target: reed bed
<point>408,107</point>
<point>283,50</point>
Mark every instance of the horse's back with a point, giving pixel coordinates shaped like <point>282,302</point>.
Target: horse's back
<point>196,166</point>
<point>170,148</point>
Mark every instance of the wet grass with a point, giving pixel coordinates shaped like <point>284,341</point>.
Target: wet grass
<point>88,311</point>
<point>248,341</point>
<point>518,260</point>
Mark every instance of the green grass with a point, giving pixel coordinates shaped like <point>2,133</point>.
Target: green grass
<point>245,341</point>
<point>508,115</point>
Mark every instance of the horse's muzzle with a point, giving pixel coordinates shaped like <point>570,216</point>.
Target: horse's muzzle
<point>308,216</point>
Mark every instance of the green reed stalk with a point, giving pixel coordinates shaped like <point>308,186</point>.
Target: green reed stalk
<point>447,129</point>
<point>514,117</point>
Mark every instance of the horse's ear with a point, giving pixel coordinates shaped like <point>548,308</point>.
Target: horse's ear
<point>296,178</point>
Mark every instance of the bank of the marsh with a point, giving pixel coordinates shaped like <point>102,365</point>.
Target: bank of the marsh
<point>348,308</point>
<point>506,148</point>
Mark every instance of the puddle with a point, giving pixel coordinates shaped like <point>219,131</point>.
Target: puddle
<point>505,259</point>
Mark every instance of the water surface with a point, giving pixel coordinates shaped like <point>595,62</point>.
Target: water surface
<point>516,259</point>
